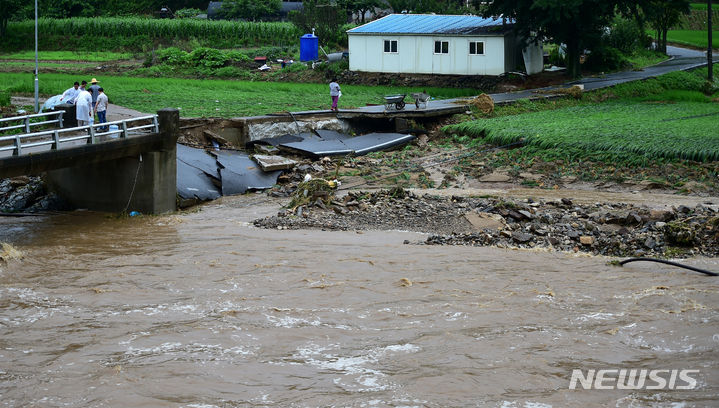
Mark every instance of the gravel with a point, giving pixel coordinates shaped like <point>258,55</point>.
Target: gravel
<point>600,229</point>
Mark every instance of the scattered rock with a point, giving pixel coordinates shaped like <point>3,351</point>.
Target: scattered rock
<point>661,215</point>
<point>521,237</point>
<point>505,223</point>
<point>530,176</point>
<point>495,177</point>
<point>483,220</point>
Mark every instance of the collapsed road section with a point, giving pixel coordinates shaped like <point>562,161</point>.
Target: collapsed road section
<point>209,174</point>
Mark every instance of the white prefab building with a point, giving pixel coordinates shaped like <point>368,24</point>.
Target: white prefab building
<point>439,44</point>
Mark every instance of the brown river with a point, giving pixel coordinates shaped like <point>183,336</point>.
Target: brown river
<point>203,310</point>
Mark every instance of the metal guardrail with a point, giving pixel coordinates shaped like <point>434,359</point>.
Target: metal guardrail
<point>26,124</point>
<point>53,137</point>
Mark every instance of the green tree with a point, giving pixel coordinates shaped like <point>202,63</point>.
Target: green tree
<point>7,9</point>
<point>662,15</point>
<point>249,9</point>
<point>359,7</point>
<point>322,17</point>
<point>429,6</point>
<point>577,23</point>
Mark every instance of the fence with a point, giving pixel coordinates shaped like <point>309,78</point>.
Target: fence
<point>27,125</point>
<point>53,138</point>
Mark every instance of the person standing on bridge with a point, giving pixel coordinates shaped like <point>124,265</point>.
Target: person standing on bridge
<point>94,91</point>
<point>83,108</point>
<point>101,108</point>
<point>335,93</point>
<point>70,95</point>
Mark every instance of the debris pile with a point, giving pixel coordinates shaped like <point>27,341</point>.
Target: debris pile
<point>484,103</point>
<point>600,229</point>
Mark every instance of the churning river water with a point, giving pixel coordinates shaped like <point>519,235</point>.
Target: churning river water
<point>203,310</point>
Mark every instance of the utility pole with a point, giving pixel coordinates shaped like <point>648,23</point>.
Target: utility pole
<point>710,61</point>
<point>37,102</point>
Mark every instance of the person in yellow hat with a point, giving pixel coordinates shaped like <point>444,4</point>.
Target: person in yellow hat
<point>94,90</point>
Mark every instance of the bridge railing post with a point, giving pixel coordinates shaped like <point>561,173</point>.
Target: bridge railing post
<point>56,138</point>
<point>92,135</point>
<point>18,145</point>
<point>123,135</point>
<point>59,119</point>
<point>27,124</point>
<point>156,122</point>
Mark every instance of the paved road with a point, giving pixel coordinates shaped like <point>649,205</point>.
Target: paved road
<point>682,59</point>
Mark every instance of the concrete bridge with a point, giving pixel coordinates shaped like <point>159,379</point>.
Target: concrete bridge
<point>122,169</point>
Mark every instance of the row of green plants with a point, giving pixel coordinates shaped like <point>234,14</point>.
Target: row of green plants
<point>696,19</point>
<point>676,130</point>
<point>666,118</point>
<point>125,32</point>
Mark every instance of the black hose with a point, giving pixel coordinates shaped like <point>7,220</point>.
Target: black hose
<point>691,268</point>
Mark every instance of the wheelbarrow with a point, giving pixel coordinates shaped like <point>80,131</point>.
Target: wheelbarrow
<point>396,101</point>
<point>420,98</point>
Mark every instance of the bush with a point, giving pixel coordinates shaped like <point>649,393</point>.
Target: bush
<point>273,53</point>
<point>555,57</point>
<point>296,67</point>
<point>207,57</point>
<point>624,35</point>
<point>238,57</point>
<point>172,56</point>
<point>605,58</point>
<point>188,13</point>
<point>4,97</point>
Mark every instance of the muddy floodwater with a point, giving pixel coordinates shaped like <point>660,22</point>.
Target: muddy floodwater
<point>204,310</point>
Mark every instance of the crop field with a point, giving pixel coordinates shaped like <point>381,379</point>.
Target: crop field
<point>695,38</point>
<point>649,130</point>
<point>83,56</point>
<point>126,32</point>
<point>217,98</point>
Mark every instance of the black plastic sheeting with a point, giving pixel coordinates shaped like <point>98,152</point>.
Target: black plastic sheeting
<point>204,177</point>
<point>331,143</point>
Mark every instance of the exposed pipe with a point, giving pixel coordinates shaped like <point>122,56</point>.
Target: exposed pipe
<point>664,261</point>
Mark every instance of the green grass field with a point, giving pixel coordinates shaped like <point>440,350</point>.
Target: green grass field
<point>693,38</point>
<point>622,130</point>
<point>216,98</point>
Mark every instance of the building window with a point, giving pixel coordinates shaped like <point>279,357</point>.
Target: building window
<point>476,48</point>
<point>390,46</point>
<point>441,47</point>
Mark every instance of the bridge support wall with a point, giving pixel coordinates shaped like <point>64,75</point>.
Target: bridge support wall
<point>145,182</point>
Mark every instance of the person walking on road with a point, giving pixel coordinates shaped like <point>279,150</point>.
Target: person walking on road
<point>70,95</point>
<point>335,93</point>
<point>101,108</point>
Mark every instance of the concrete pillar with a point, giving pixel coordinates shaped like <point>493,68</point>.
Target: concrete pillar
<point>146,182</point>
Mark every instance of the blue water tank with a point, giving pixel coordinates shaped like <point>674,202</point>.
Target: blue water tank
<point>308,47</point>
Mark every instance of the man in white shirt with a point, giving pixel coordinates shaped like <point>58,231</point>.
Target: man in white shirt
<point>70,95</point>
<point>101,108</point>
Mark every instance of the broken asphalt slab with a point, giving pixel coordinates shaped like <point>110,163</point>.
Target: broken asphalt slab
<point>204,177</point>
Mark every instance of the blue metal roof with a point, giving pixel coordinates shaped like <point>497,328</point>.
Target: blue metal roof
<point>432,24</point>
